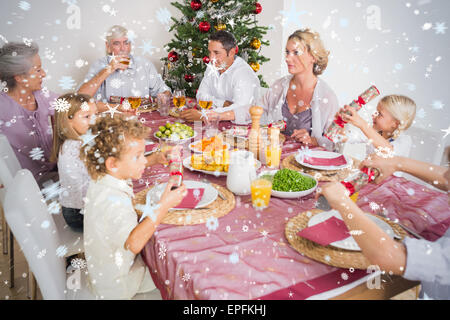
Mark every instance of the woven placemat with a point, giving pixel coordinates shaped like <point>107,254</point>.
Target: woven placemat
<point>328,255</point>
<point>237,142</point>
<point>217,209</point>
<point>321,175</point>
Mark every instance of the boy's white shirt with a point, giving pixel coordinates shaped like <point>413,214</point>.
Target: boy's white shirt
<point>109,218</point>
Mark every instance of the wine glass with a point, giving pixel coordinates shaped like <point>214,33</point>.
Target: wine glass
<point>135,102</point>
<point>179,98</point>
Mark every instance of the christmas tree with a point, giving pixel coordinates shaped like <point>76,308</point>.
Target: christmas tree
<point>188,51</point>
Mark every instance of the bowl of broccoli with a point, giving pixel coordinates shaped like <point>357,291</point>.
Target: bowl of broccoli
<point>290,184</point>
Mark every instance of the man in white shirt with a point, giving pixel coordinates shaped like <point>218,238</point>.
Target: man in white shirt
<point>121,74</point>
<point>229,82</point>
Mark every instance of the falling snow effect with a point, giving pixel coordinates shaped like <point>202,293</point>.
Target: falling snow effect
<point>37,154</point>
<point>66,83</point>
<point>61,105</point>
<point>61,251</point>
<point>25,6</point>
<point>163,15</point>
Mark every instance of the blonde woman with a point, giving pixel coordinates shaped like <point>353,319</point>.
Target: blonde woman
<point>394,115</point>
<point>120,73</point>
<point>302,98</point>
<point>73,175</point>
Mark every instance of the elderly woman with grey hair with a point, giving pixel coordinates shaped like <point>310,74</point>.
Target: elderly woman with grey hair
<point>25,109</point>
<point>120,73</point>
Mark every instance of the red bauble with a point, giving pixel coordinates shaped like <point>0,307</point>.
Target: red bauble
<point>196,5</point>
<point>206,59</point>
<point>204,26</point>
<point>258,8</point>
<point>173,56</point>
<point>189,77</point>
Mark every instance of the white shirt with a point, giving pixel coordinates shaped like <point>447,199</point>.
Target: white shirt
<point>238,84</point>
<point>401,145</point>
<point>324,106</point>
<point>429,262</point>
<point>109,218</point>
<point>140,80</point>
<point>73,175</point>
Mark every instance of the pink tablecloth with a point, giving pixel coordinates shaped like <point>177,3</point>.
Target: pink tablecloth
<point>247,255</point>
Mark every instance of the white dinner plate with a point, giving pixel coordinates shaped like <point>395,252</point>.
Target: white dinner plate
<point>187,164</point>
<point>209,196</point>
<point>348,243</point>
<point>191,146</point>
<point>324,155</point>
<point>176,141</point>
<point>290,195</point>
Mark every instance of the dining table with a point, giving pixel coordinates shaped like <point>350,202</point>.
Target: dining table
<point>246,256</point>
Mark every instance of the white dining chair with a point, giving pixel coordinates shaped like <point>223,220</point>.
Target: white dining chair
<point>9,165</point>
<point>40,241</point>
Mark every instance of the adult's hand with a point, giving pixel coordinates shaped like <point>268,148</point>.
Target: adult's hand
<point>334,192</point>
<point>302,136</point>
<point>227,103</point>
<point>191,115</point>
<point>116,63</point>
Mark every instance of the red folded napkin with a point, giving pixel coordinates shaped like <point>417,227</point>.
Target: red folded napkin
<point>191,200</point>
<point>326,232</point>
<point>339,161</point>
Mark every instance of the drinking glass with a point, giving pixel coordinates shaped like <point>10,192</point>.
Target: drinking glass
<point>179,98</point>
<point>135,102</point>
<point>163,104</point>
<point>273,155</point>
<point>261,190</point>
<point>205,102</point>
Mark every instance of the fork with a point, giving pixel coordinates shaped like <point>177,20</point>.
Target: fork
<point>220,193</point>
<point>415,234</point>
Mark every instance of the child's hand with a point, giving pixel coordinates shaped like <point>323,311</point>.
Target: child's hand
<point>171,199</point>
<point>355,119</point>
<point>334,192</point>
<point>386,166</point>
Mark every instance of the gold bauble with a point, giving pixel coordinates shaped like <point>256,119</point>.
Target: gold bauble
<point>214,1</point>
<point>220,27</point>
<point>255,66</point>
<point>255,44</point>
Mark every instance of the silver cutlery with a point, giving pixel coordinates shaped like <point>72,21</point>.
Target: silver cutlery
<point>415,234</point>
<point>220,193</point>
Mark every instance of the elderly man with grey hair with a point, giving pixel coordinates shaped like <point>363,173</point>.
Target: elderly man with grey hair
<point>120,73</point>
<point>26,109</point>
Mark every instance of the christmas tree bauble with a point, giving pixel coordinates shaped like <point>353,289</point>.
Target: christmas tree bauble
<point>255,66</point>
<point>173,56</point>
<point>189,77</point>
<point>255,44</point>
<point>206,59</point>
<point>221,26</point>
<point>258,8</point>
<point>196,5</point>
<point>214,1</point>
<point>204,26</point>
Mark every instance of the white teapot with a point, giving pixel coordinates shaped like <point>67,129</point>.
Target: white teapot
<point>241,172</point>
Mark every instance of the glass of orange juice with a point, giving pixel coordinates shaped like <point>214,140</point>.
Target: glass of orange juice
<point>179,98</point>
<point>261,190</point>
<point>273,155</point>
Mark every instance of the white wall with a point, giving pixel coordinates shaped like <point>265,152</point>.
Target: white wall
<point>360,54</point>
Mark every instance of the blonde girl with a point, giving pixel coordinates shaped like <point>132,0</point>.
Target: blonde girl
<point>70,125</point>
<point>394,115</point>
